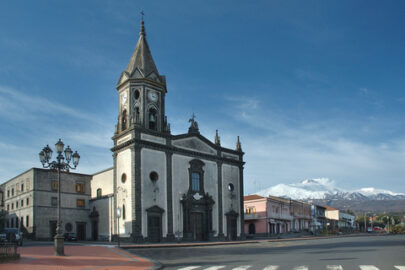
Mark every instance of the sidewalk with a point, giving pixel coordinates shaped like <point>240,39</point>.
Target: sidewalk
<point>77,257</point>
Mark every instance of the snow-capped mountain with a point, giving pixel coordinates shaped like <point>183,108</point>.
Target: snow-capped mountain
<point>324,188</point>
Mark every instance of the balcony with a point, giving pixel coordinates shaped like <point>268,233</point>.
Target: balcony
<point>252,216</point>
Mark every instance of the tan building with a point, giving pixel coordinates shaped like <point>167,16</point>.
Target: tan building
<point>30,201</point>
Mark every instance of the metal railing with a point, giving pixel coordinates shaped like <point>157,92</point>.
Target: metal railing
<point>8,250</point>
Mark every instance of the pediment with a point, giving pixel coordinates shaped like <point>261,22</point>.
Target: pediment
<point>123,78</point>
<point>137,74</point>
<point>153,76</point>
<point>194,144</point>
<point>155,209</point>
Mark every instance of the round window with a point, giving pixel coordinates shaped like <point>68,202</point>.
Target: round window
<point>231,187</point>
<point>153,176</point>
<point>68,227</point>
<point>123,178</point>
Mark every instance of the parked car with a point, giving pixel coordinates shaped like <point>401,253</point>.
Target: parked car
<point>70,237</point>
<point>11,235</point>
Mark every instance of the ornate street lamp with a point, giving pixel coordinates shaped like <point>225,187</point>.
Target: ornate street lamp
<point>60,165</point>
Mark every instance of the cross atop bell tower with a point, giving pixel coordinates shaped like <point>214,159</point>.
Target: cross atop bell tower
<point>142,91</point>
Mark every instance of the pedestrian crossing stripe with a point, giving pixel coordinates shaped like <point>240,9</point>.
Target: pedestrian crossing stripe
<point>334,267</point>
<point>368,267</point>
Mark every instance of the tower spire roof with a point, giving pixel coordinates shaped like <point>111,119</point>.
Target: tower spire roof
<point>142,57</point>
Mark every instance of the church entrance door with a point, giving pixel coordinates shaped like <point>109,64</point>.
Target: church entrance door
<point>154,228</point>
<point>197,226</point>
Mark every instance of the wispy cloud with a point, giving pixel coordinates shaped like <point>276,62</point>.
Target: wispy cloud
<point>289,151</point>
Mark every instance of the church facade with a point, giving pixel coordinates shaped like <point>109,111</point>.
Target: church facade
<point>162,186</point>
<point>182,186</point>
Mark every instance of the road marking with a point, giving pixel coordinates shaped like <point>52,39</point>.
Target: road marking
<point>189,267</point>
<point>399,267</point>
<point>271,267</point>
<point>368,267</point>
<point>334,267</point>
<point>301,267</point>
<point>242,267</point>
<point>215,267</point>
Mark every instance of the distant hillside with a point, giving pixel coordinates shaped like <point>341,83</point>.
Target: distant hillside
<point>361,206</point>
<point>323,191</point>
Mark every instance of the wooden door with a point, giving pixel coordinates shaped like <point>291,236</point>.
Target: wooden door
<point>81,231</point>
<point>197,226</point>
<point>154,228</point>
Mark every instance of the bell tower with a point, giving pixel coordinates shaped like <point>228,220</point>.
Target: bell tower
<point>142,92</point>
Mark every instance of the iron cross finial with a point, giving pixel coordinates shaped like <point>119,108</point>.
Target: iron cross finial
<point>142,13</point>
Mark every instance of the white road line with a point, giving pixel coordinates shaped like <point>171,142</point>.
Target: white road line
<point>368,267</point>
<point>334,267</point>
<point>271,267</point>
<point>399,267</point>
<point>301,267</point>
<point>189,268</point>
<point>216,267</point>
<point>242,267</point>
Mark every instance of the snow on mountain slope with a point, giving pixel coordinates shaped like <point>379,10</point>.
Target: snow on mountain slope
<point>324,188</point>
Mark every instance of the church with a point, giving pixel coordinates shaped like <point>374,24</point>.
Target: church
<point>161,186</point>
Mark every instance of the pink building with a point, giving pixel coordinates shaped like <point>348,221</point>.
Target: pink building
<point>266,216</point>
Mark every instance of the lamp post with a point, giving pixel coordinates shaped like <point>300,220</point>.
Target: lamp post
<point>60,165</point>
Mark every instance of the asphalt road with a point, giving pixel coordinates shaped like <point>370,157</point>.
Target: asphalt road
<point>365,253</point>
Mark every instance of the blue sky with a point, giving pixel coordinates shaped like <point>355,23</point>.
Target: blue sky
<point>313,88</point>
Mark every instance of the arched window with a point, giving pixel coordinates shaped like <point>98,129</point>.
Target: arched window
<point>196,174</point>
<point>99,194</point>
<point>123,211</point>
<point>137,115</point>
<point>124,120</point>
<point>195,181</point>
<point>152,119</point>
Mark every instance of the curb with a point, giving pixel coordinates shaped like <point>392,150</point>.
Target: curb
<point>204,244</point>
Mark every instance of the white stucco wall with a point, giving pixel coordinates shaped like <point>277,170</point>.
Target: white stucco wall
<point>153,193</point>
<point>124,194</point>
<point>230,174</point>
<point>103,180</point>
<point>180,175</point>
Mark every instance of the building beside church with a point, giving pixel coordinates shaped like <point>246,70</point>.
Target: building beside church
<point>164,186</point>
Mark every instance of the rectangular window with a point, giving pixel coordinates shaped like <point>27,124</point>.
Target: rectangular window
<point>28,201</point>
<point>12,206</point>
<point>22,203</point>
<point>79,187</point>
<point>12,192</point>
<point>16,204</point>
<point>8,207</point>
<point>22,187</point>
<point>80,203</point>
<point>54,201</point>
<point>195,181</point>
<point>55,185</point>
<point>27,221</point>
<point>8,193</point>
